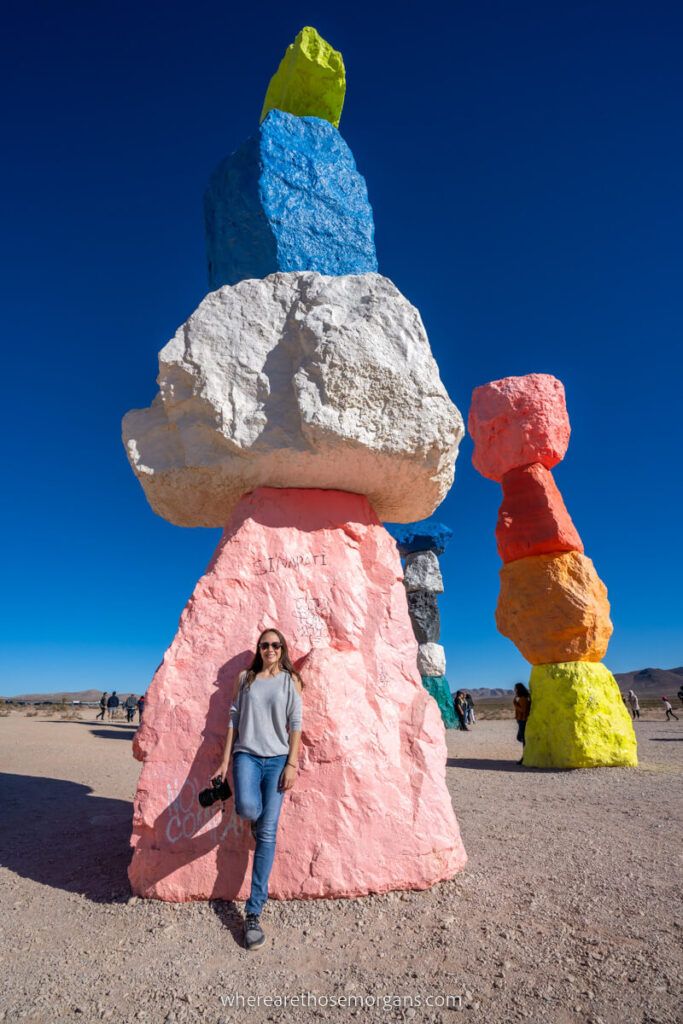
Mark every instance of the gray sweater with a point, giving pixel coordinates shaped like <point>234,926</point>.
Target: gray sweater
<point>262,712</point>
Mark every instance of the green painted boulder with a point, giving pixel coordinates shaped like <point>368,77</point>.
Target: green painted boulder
<point>439,689</point>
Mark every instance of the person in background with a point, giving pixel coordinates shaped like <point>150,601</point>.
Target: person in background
<point>112,704</point>
<point>670,713</point>
<point>522,705</point>
<point>130,705</point>
<point>141,707</point>
<point>103,706</point>
<point>633,701</point>
<point>459,707</point>
<point>680,694</point>
<point>469,710</point>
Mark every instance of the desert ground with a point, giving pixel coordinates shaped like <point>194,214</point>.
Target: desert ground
<point>569,909</point>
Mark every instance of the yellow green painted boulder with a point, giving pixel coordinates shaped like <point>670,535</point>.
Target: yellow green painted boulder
<point>310,81</point>
<point>578,718</point>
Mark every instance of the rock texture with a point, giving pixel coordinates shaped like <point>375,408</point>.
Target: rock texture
<point>289,198</point>
<point>310,79</point>
<point>439,689</point>
<point>554,608</point>
<point>532,519</point>
<point>320,567</point>
<point>424,615</point>
<point>298,380</point>
<point>516,421</point>
<point>578,719</point>
<point>431,660</point>
<point>427,535</point>
<point>422,572</point>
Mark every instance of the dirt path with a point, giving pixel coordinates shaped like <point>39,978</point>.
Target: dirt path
<point>569,909</point>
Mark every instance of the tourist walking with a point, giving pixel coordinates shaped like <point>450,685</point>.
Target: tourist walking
<point>112,705</point>
<point>469,710</point>
<point>670,713</point>
<point>130,705</point>
<point>103,706</point>
<point>266,715</point>
<point>141,707</point>
<point>635,706</point>
<point>522,706</point>
<point>460,708</point>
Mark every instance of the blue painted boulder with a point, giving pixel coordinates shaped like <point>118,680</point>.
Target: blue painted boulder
<point>427,535</point>
<point>290,198</point>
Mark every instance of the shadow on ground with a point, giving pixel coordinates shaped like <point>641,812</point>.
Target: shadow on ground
<point>231,917</point>
<point>666,739</point>
<point>484,764</point>
<point>58,834</point>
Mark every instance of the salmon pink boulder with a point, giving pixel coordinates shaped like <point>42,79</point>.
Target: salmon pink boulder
<point>516,421</point>
<point>370,810</point>
<point>533,519</point>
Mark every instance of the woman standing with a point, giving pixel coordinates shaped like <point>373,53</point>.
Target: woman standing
<point>459,706</point>
<point>266,713</point>
<point>522,705</point>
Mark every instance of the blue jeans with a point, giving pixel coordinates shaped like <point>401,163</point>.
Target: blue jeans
<point>521,729</point>
<point>258,798</point>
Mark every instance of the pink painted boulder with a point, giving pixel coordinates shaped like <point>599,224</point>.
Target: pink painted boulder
<point>370,810</point>
<point>516,421</point>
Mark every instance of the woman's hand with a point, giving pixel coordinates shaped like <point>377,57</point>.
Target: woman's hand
<point>222,771</point>
<point>288,777</point>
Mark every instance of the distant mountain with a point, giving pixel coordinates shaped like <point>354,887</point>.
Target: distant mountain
<point>84,696</point>
<point>648,682</point>
<point>490,693</point>
<point>652,682</point>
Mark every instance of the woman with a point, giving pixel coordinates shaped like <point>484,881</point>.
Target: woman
<point>264,764</point>
<point>522,705</point>
<point>460,708</point>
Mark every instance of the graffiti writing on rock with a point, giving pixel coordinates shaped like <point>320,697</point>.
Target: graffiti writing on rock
<point>187,817</point>
<point>275,563</point>
<point>310,612</point>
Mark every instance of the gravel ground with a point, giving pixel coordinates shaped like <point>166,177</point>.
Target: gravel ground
<point>568,911</point>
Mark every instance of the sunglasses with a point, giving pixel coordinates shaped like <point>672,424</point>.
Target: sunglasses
<point>264,645</point>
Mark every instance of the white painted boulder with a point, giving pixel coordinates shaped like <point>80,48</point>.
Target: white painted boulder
<point>431,660</point>
<point>297,380</point>
<point>423,572</point>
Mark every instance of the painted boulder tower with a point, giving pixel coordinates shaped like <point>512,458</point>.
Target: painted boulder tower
<point>552,603</point>
<point>420,545</point>
<point>286,415</point>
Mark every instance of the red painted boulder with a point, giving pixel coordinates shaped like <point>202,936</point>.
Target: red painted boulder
<point>532,519</point>
<point>370,810</point>
<point>516,421</point>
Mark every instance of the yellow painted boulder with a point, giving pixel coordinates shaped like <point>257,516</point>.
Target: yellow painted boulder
<point>578,719</point>
<point>554,608</point>
<point>310,81</point>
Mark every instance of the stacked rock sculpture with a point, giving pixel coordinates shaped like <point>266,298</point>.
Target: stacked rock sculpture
<point>297,405</point>
<point>552,603</point>
<point>420,545</point>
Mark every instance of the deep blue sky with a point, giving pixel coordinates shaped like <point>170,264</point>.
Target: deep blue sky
<point>524,162</point>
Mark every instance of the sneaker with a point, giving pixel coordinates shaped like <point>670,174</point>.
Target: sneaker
<point>253,932</point>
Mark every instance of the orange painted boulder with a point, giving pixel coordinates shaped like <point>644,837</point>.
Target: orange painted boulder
<point>554,608</point>
<point>370,810</point>
<point>516,421</point>
<point>533,520</point>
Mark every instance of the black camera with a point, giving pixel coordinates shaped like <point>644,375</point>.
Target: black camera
<point>220,790</point>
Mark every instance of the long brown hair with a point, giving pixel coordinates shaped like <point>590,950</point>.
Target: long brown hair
<point>285,661</point>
